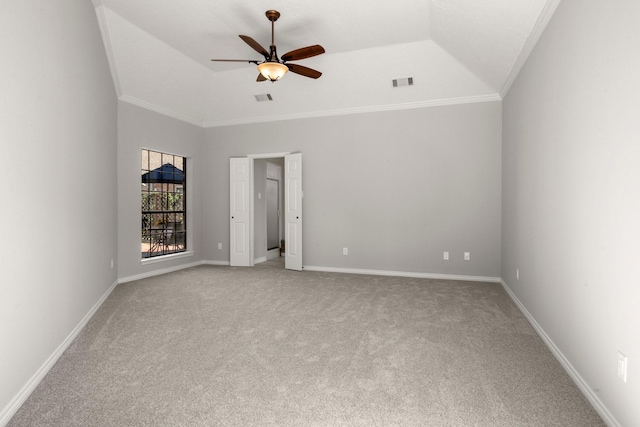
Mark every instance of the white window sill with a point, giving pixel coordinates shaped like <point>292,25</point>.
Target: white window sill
<point>169,257</point>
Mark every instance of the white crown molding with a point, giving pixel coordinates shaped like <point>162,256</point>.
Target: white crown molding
<point>584,387</point>
<point>312,114</point>
<point>106,38</point>
<point>358,110</point>
<point>544,18</point>
<point>160,110</point>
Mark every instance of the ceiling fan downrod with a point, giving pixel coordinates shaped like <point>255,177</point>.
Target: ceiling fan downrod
<point>273,15</point>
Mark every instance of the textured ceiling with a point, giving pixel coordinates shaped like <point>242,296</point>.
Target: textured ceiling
<point>455,50</point>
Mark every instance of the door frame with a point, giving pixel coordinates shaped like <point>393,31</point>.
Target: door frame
<point>252,158</point>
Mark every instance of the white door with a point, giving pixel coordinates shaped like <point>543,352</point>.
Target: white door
<point>293,211</point>
<point>240,214</point>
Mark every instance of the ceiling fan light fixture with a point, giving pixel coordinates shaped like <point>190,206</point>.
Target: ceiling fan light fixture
<point>272,70</point>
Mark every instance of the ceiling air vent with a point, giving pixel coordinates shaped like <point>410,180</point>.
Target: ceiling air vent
<point>265,97</point>
<point>408,81</point>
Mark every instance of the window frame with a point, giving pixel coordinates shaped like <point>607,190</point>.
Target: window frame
<point>163,205</point>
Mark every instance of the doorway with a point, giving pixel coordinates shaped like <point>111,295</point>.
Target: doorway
<point>270,225</point>
<point>273,214</point>
<point>249,240</point>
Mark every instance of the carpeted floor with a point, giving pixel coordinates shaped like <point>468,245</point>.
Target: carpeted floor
<point>224,346</point>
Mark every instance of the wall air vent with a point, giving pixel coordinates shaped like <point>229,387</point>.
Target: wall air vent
<point>265,97</point>
<point>407,81</point>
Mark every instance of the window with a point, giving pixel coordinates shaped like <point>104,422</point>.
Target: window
<point>163,201</point>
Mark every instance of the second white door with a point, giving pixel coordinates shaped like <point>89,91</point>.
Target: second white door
<point>293,211</point>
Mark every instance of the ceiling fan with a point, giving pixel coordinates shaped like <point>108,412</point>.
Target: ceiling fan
<point>273,68</point>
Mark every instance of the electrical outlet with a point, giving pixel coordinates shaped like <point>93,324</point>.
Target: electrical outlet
<point>445,256</point>
<point>345,251</point>
<point>517,274</point>
<point>112,263</point>
<point>219,245</point>
<point>622,366</point>
<point>467,256</point>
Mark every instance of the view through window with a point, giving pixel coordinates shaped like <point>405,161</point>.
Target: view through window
<point>163,200</point>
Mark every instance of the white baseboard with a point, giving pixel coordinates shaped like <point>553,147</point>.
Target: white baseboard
<point>273,253</point>
<point>12,407</point>
<point>259,260</point>
<point>381,272</point>
<point>158,272</point>
<point>402,274</point>
<point>582,385</point>
<point>169,270</point>
<point>216,262</point>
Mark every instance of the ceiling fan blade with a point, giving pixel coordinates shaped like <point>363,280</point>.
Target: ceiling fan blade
<point>261,78</point>
<point>304,71</point>
<point>303,52</point>
<point>256,46</point>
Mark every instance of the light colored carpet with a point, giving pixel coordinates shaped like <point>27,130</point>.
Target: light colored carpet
<point>223,346</point>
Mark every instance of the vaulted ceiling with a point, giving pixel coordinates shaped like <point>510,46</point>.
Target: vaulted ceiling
<point>455,51</point>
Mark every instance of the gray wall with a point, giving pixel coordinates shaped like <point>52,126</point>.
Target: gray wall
<point>58,128</point>
<point>140,128</point>
<point>397,188</point>
<point>571,198</point>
